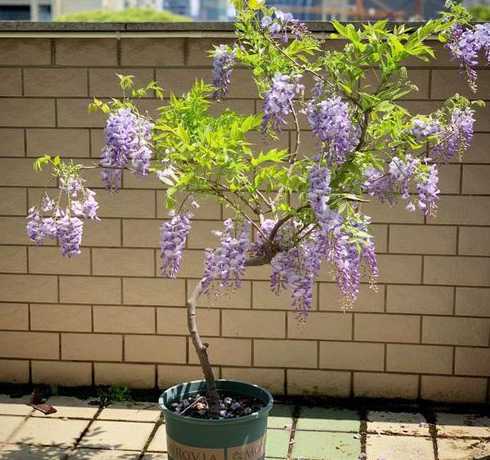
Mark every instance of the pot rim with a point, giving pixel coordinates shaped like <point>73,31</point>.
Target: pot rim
<point>185,418</point>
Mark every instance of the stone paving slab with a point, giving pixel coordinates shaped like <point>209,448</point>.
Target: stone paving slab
<point>159,441</point>
<point>8,425</point>
<point>281,416</point>
<point>316,445</point>
<point>382,447</point>
<point>320,419</point>
<point>137,412</point>
<point>69,407</point>
<point>26,452</point>
<point>381,422</point>
<point>463,449</point>
<point>117,435</point>
<point>155,457</point>
<point>50,431</point>
<point>277,443</point>
<point>462,425</point>
<point>14,406</point>
<point>98,454</point>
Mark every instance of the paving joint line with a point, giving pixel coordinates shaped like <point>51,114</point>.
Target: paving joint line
<point>296,414</point>
<point>157,425</point>
<point>82,434</point>
<point>363,431</point>
<point>431,419</point>
<point>26,417</point>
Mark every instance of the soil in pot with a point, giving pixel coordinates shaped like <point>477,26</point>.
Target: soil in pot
<point>231,406</point>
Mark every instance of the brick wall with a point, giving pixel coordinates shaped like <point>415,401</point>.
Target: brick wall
<point>106,317</point>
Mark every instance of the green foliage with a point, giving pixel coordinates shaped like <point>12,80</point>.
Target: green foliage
<point>107,395</point>
<point>480,12</point>
<point>128,15</point>
<point>200,152</point>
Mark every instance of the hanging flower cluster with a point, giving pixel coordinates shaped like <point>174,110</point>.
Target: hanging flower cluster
<point>278,100</point>
<point>128,139</point>
<point>384,185</point>
<point>331,122</point>
<point>455,138</point>
<point>51,221</point>
<point>226,263</point>
<point>173,235</point>
<point>466,44</point>
<point>319,196</point>
<point>280,24</point>
<point>428,190</point>
<point>296,269</point>
<point>223,60</point>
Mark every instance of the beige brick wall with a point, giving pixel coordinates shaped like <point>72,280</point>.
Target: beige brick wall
<point>107,318</point>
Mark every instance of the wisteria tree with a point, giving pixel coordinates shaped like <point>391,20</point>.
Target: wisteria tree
<point>292,210</point>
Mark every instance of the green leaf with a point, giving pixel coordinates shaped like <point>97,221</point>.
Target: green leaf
<point>41,162</point>
<point>125,81</point>
<point>274,155</point>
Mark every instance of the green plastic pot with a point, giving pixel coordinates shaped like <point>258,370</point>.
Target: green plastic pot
<point>229,439</point>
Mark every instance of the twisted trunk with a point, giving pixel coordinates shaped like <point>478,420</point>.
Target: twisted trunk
<point>202,348</point>
<point>202,351</point>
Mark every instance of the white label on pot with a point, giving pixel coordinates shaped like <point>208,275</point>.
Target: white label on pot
<point>178,451</point>
<point>253,451</point>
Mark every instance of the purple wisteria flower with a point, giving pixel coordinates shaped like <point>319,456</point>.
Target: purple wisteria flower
<point>173,235</point>
<point>331,122</point>
<point>482,35</point>
<point>63,224</point>
<point>422,129</point>
<point>319,195</point>
<point>347,262</point>
<point>464,47</point>
<point>128,138</point>
<point>384,185</point>
<point>278,100</point>
<point>226,263</point>
<point>349,253</point>
<point>69,231</point>
<point>456,136</point>
<point>90,205</point>
<point>296,269</point>
<point>223,60</point>
<point>401,171</point>
<point>379,184</point>
<point>319,192</point>
<point>280,24</point>
<point>466,44</point>
<point>71,185</point>
<point>428,190</point>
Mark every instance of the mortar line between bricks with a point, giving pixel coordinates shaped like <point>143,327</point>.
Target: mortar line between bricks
<point>296,415</point>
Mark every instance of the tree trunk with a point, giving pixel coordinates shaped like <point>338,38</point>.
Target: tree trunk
<point>202,348</point>
<point>202,352</point>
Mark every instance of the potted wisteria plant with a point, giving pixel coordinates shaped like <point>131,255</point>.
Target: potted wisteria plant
<point>293,210</point>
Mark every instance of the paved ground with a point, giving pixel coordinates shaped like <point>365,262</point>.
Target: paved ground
<point>136,431</point>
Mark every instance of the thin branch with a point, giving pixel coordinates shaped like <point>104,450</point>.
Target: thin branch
<point>240,211</point>
<point>292,156</point>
